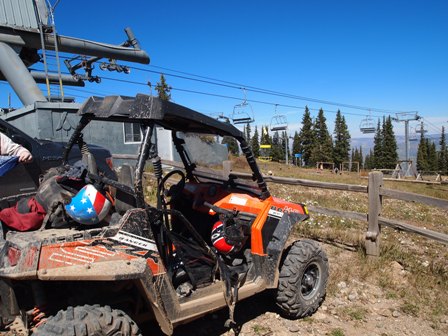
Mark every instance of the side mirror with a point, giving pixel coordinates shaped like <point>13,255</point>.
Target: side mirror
<point>18,139</point>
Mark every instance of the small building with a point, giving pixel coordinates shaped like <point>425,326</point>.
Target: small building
<point>24,25</point>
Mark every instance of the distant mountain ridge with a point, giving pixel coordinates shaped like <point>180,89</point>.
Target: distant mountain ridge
<point>367,144</point>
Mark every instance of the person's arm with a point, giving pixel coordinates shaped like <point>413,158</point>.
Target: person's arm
<point>8,147</point>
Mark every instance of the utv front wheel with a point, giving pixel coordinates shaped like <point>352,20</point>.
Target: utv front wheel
<point>303,279</point>
<point>88,321</point>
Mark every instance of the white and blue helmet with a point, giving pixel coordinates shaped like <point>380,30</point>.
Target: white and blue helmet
<point>88,206</point>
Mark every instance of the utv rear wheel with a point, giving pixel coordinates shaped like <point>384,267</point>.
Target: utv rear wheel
<point>88,321</point>
<point>303,279</point>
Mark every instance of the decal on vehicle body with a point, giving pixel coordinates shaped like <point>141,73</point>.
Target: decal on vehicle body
<point>275,213</point>
<point>237,200</point>
<point>134,240</point>
<point>80,254</point>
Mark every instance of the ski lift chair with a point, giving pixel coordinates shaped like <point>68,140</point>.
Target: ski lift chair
<point>367,126</point>
<point>223,118</point>
<point>278,123</point>
<point>420,129</point>
<point>413,135</point>
<point>265,153</point>
<point>242,114</point>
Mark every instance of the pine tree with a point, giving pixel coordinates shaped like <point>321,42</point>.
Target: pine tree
<point>163,89</point>
<point>356,159</point>
<point>377,158</point>
<point>352,158</point>
<point>296,146</point>
<point>369,161</point>
<point>322,150</point>
<point>265,137</point>
<point>231,143</point>
<point>341,148</point>
<point>389,147</point>
<point>443,154</point>
<point>296,143</point>
<point>247,131</point>
<point>432,157</point>
<point>422,154</point>
<point>306,137</point>
<point>285,146</point>
<point>277,149</point>
<point>255,144</point>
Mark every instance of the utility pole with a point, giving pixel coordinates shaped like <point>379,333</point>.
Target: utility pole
<point>406,117</point>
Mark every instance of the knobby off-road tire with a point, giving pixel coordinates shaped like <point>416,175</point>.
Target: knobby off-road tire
<point>88,321</point>
<point>303,279</point>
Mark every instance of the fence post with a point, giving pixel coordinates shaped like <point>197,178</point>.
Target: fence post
<point>375,205</point>
<point>226,168</point>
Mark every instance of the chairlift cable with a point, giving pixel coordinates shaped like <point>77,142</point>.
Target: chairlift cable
<point>232,97</point>
<point>439,130</point>
<point>218,82</point>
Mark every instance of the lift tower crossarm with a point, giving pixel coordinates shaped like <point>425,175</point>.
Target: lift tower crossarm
<point>406,117</point>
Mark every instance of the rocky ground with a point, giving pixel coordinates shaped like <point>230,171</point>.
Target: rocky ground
<point>355,308</point>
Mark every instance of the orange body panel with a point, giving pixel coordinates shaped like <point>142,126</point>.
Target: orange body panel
<point>90,251</point>
<point>260,208</point>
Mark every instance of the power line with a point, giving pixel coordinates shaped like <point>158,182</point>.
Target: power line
<point>228,97</point>
<point>234,85</point>
<point>434,127</point>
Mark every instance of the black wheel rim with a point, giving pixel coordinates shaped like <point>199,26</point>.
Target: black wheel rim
<point>310,280</point>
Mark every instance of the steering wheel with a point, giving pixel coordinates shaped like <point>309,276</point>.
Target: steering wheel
<point>175,190</point>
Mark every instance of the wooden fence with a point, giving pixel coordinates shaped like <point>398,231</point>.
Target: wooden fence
<point>375,191</point>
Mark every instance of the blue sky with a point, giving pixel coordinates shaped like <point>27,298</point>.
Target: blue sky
<point>382,54</point>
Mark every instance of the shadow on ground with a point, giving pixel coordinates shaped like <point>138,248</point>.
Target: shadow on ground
<point>213,323</point>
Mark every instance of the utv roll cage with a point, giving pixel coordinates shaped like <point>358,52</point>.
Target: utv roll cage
<point>150,111</point>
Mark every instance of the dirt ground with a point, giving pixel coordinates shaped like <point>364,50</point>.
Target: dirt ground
<point>356,308</point>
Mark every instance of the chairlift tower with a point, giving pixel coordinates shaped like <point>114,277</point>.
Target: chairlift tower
<point>280,123</point>
<point>406,117</point>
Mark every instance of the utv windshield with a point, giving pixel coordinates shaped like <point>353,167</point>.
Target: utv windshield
<point>205,150</point>
<point>208,153</point>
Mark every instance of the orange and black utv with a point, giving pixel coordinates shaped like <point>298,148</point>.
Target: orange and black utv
<point>198,242</point>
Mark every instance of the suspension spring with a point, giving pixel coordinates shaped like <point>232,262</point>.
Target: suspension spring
<point>157,164</point>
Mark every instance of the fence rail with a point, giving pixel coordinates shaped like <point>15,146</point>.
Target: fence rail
<point>375,191</point>
<point>307,183</point>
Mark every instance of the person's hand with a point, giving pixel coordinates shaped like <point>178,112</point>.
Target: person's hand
<point>25,157</point>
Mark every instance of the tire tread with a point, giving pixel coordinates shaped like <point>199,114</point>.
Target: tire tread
<point>289,298</point>
<point>88,320</point>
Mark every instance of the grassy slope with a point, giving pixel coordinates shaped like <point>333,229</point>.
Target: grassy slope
<point>424,289</point>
